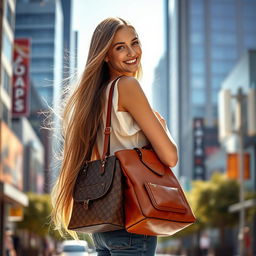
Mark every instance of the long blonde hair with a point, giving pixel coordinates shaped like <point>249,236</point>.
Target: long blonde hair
<point>81,119</point>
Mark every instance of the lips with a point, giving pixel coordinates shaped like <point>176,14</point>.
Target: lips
<point>130,62</point>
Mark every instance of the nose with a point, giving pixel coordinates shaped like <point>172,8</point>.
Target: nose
<point>130,52</point>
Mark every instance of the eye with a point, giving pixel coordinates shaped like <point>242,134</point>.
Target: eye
<point>136,42</point>
<point>120,47</point>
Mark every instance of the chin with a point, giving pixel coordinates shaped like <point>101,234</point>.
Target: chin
<point>133,71</point>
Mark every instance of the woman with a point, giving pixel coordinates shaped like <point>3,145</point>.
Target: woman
<point>115,51</point>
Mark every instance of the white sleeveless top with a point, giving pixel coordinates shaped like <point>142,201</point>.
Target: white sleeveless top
<point>125,132</point>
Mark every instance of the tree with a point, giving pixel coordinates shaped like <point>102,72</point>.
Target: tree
<point>211,200</point>
<point>37,216</point>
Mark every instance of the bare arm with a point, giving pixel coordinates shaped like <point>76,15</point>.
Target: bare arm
<point>161,119</point>
<point>133,100</point>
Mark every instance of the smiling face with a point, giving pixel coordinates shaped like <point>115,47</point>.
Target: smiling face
<point>124,55</point>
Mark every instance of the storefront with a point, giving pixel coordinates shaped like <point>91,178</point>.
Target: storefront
<point>12,199</point>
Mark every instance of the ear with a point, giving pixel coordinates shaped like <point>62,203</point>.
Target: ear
<point>106,59</point>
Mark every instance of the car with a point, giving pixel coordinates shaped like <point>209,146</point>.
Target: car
<point>74,248</point>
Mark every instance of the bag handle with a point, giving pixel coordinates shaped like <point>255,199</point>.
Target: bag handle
<point>107,130</point>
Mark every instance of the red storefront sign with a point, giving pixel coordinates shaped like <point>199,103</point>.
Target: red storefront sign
<point>20,92</point>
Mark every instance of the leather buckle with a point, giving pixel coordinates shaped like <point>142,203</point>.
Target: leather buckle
<point>103,163</point>
<point>86,204</point>
<point>107,130</point>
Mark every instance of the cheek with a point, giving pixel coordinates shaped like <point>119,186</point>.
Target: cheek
<point>117,57</point>
<point>139,50</point>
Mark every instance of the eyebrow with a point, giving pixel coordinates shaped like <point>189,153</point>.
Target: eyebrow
<point>135,38</point>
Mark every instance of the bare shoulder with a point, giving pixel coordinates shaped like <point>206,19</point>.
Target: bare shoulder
<point>128,82</point>
<point>129,87</point>
<point>130,94</point>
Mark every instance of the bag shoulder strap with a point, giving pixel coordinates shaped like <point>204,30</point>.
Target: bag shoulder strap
<point>107,130</point>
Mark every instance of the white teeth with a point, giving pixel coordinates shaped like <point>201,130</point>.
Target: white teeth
<point>131,61</point>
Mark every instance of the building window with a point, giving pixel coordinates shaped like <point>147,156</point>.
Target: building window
<point>9,15</point>
<point>7,47</point>
<point>197,52</point>
<point>250,41</point>
<point>198,96</point>
<point>197,66</point>
<point>197,23</point>
<point>35,33</point>
<point>6,81</point>
<point>215,95</point>
<point>221,67</point>
<point>196,7</point>
<point>43,79</point>
<point>35,19</point>
<point>223,24</point>
<point>42,63</point>
<point>197,81</point>
<point>217,81</point>
<point>223,9</point>
<point>198,111</point>
<point>197,38</point>
<point>223,52</point>
<point>6,114</point>
<point>224,38</point>
<point>249,10</point>
<point>248,24</point>
<point>46,94</point>
<point>42,48</point>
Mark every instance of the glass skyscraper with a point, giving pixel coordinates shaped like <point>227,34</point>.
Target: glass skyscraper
<point>206,40</point>
<point>219,32</point>
<point>42,21</point>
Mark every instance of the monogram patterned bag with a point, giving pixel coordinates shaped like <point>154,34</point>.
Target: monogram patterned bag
<point>98,191</point>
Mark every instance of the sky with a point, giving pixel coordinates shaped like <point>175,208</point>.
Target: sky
<point>145,15</point>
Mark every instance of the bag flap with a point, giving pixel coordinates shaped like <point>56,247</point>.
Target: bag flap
<point>166,198</point>
<point>151,161</point>
<point>91,184</point>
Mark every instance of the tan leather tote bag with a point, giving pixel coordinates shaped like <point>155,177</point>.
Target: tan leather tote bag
<point>155,203</point>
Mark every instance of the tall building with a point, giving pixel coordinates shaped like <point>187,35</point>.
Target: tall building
<point>161,83</point>
<point>70,44</point>
<point>207,38</point>
<point>160,88</point>
<point>74,56</point>
<point>27,129</point>
<point>67,6</point>
<point>42,21</point>
<point>11,149</point>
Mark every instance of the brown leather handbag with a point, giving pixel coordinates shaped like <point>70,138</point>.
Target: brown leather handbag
<point>155,203</point>
<point>98,191</point>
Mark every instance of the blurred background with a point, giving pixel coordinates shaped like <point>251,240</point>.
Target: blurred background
<point>199,62</point>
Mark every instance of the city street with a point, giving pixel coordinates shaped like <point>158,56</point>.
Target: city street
<point>188,123</point>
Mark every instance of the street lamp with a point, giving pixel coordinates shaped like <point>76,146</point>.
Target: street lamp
<point>240,131</point>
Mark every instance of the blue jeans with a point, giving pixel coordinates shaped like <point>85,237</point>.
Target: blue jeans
<point>122,243</point>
